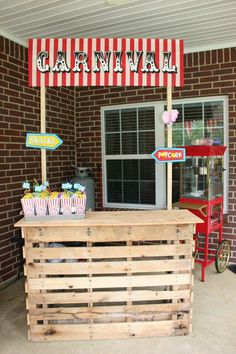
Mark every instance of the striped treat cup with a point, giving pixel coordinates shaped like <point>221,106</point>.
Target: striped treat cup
<point>41,206</point>
<point>66,205</point>
<point>28,207</point>
<point>79,205</point>
<point>54,206</point>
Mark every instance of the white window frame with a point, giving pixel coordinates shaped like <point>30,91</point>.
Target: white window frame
<point>160,172</point>
<point>160,187</point>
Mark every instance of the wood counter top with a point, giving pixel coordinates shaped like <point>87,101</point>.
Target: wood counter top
<point>117,218</point>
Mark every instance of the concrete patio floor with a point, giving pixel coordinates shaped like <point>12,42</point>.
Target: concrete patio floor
<point>214,325</point>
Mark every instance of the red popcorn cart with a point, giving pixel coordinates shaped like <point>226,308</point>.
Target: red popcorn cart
<point>201,191</point>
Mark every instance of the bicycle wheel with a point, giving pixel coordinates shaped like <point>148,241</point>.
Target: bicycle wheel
<point>195,247</point>
<point>222,256</point>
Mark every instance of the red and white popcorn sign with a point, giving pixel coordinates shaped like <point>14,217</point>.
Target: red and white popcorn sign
<point>169,154</point>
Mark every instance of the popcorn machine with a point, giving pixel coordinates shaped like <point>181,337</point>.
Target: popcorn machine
<point>201,191</point>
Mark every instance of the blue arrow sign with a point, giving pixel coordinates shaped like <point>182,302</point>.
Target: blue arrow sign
<point>43,141</point>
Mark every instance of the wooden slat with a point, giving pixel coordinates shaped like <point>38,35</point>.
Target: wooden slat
<point>105,296</point>
<point>107,331</point>
<point>119,218</point>
<point>129,260</point>
<point>107,282</point>
<point>110,234</point>
<point>108,252</point>
<point>70,313</point>
<point>109,267</point>
<point>23,232</point>
<point>109,318</point>
<point>169,145</point>
<point>43,130</point>
<point>90,304</point>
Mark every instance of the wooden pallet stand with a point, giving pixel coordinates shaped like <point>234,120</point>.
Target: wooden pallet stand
<point>118,275</point>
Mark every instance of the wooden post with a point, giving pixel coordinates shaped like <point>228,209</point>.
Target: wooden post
<point>169,144</point>
<point>43,130</point>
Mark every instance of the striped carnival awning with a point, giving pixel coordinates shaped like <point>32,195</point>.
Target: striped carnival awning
<point>106,62</point>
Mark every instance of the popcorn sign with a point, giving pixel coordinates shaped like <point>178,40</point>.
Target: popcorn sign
<point>169,155</point>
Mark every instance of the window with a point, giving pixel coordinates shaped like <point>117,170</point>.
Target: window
<point>197,120</point>
<point>130,133</point>
<point>130,137</point>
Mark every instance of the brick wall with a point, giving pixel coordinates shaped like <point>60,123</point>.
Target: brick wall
<point>206,74</point>
<point>20,113</point>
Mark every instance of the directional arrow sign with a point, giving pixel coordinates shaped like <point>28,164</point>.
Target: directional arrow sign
<point>43,141</point>
<point>169,154</point>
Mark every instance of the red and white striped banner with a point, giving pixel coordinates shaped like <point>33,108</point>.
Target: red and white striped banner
<point>106,62</point>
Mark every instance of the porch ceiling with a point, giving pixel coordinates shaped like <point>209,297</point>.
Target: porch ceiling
<point>203,24</point>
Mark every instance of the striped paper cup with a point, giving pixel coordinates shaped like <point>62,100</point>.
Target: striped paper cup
<point>28,207</point>
<point>79,205</point>
<point>66,205</point>
<point>54,206</point>
<point>41,206</point>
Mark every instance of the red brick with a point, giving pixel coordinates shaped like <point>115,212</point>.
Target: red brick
<point>223,84</point>
<point>209,78</point>
<point>195,59</point>
<point>214,57</point>
<point>233,54</point>
<point>9,275</point>
<point>10,79</point>
<point>226,54</point>
<point>208,57</point>
<point>189,59</point>
<point>202,86</point>
<point>202,73</point>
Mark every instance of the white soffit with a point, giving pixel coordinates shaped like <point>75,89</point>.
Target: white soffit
<point>203,24</point>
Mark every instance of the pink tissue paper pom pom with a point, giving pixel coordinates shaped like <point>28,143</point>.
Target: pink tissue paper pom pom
<point>166,117</point>
<point>170,117</point>
<point>174,115</point>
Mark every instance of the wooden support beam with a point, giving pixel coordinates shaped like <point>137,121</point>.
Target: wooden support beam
<point>43,130</point>
<point>169,144</point>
